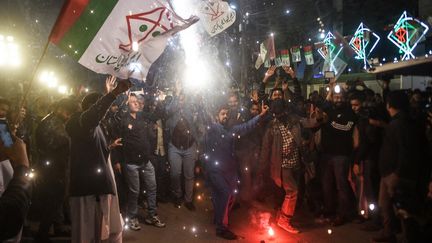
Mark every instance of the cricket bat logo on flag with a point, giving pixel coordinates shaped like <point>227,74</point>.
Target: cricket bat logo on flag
<point>117,37</point>
<point>146,25</point>
<point>217,15</point>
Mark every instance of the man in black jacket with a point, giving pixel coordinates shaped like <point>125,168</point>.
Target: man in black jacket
<point>53,148</point>
<point>95,214</point>
<point>135,129</point>
<point>399,163</point>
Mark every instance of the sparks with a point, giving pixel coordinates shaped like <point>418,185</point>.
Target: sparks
<point>270,232</point>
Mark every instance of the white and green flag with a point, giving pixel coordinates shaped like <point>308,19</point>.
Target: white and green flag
<point>118,37</point>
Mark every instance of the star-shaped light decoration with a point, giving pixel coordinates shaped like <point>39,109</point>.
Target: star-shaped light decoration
<point>330,51</point>
<point>363,43</point>
<point>406,34</point>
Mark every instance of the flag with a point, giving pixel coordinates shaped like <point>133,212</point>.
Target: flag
<point>285,58</point>
<point>308,55</point>
<point>217,15</point>
<point>118,37</point>
<point>267,53</point>
<point>296,55</point>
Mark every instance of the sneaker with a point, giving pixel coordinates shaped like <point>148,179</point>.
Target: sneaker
<point>190,206</point>
<point>287,226</point>
<point>155,221</point>
<point>134,224</point>
<point>226,234</point>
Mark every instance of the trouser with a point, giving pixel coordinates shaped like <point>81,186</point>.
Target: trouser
<point>132,175</point>
<point>182,159</point>
<point>89,223</point>
<point>222,199</point>
<point>248,167</point>
<point>388,187</point>
<point>52,199</point>
<point>290,179</point>
<point>162,175</point>
<point>335,171</point>
<point>371,180</point>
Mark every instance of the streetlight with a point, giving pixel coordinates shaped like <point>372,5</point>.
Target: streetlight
<point>49,79</point>
<point>9,52</point>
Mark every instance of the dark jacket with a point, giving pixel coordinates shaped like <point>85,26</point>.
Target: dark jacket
<point>401,151</point>
<point>137,138</point>
<point>53,144</point>
<point>271,150</point>
<point>14,204</point>
<point>89,171</point>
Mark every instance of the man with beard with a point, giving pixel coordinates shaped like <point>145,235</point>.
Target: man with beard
<point>53,148</point>
<point>281,155</point>
<point>339,141</point>
<point>221,167</point>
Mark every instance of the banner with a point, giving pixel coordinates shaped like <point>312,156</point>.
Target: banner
<point>296,55</point>
<point>285,57</point>
<point>118,37</point>
<point>308,55</point>
<point>267,53</point>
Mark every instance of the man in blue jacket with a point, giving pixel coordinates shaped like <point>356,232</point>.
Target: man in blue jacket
<point>221,166</point>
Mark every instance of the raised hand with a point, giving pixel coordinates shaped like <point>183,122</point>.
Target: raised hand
<point>270,72</point>
<point>264,109</point>
<point>110,83</point>
<point>289,71</point>
<point>122,86</point>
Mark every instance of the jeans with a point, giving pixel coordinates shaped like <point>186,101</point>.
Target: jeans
<point>335,172</point>
<point>290,179</point>
<point>388,187</point>
<point>182,159</point>
<point>132,172</point>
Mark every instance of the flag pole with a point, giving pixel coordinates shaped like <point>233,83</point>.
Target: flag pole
<point>32,78</point>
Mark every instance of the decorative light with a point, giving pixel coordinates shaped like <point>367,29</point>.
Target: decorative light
<point>406,34</point>
<point>329,231</point>
<point>372,207</point>
<point>363,43</point>
<point>337,89</point>
<point>322,35</point>
<point>287,11</point>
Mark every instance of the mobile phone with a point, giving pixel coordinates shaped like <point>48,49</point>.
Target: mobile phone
<point>329,74</point>
<point>5,134</point>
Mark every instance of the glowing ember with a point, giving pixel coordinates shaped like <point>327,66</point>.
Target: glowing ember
<point>271,232</point>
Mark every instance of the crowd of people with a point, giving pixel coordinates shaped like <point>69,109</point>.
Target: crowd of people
<point>344,154</point>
